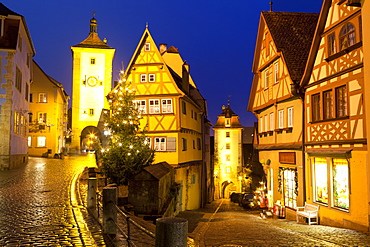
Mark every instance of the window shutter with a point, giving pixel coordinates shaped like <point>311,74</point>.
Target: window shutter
<point>171,144</point>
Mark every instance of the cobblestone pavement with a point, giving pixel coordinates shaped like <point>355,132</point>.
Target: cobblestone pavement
<point>38,206</point>
<point>224,223</point>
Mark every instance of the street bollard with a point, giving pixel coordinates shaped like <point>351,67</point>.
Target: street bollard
<point>109,210</point>
<point>91,194</point>
<point>171,232</point>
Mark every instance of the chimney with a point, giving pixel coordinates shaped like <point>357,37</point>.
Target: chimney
<point>162,48</point>
<point>185,77</point>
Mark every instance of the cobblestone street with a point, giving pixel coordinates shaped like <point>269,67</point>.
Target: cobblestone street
<point>37,207</point>
<point>224,223</point>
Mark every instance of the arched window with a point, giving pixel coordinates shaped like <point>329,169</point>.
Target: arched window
<point>347,36</point>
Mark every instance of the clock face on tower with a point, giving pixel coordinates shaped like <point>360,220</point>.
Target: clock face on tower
<point>92,81</point>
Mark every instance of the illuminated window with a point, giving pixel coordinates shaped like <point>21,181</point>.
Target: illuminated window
<point>227,122</point>
<point>341,101</point>
<point>332,49</point>
<point>227,157</point>
<point>227,145</point>
<point>340,183</point>
<point>92,61</point>
<point>321,180</point>
<point>147,47</point>
<point>143,78</point>
<point>290,117</point>
<point>160,143</point>
<point>43,98</point>
<point>151,77</point>
<point>328,104</point>
<point>41,117</point>
<point>141,106</point>
<point>154,106</point>
<point>228,169</point>
<point>227,134</point>
<point>17,120</point>
<point>281,119</point>
<point>347,36</point>
<point>41,141</point>
<point>276,72</point>
<point>29,141</point>
<point>167,106</point>
<point>289,187</point>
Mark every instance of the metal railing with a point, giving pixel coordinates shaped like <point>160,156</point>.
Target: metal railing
<point>109,217</point>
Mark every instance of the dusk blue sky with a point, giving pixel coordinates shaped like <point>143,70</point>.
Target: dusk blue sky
<point>216,38</point>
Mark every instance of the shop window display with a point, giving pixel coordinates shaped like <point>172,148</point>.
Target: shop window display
<point>321,180</point>
<point>340,183</point>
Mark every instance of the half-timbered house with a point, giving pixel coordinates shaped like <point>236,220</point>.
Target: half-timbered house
<point>335,136</point>
<point>174,114</point>
<point>282,47</point>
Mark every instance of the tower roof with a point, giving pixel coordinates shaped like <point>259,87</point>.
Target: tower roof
<point>233,119</point>
<point>93,40</point>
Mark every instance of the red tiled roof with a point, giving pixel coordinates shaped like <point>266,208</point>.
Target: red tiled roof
<point>292,33</point>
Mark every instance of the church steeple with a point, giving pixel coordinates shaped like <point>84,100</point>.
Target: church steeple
<point>93,40</point>
<point>93,24</point>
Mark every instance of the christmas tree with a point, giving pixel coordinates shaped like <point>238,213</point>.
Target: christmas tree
<point>128,150</point>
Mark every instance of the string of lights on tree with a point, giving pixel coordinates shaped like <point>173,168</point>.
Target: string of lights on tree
<point>128,149</point>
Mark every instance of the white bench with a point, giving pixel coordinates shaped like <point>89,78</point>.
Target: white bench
<point>309,211</point>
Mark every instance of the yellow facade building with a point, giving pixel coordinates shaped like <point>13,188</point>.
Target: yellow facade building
<point>228,161</point>
<point>337,174</point>
<point>48,115</point>
<point>280,56</point>
<point>174,113</point>
<point>91,82</point>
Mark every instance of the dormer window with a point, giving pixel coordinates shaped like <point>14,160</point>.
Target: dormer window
<point>347,36</point>
<point>227,122</point>
<point>147,47</point>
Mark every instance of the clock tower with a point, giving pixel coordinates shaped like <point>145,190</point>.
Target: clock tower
<point>91,82</point>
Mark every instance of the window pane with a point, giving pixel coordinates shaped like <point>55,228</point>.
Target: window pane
<point>290,117</point>
<point>315,107</point>
<point>321,179</point>
<point>281,119</point>
<point>154,106</point>
<point>341,101</point>
<point>340,183</point>
<point>41,141</point>
<point>167,105</point>
<point>328,104</point>
<point>289,187</point>
<point>331,43</point>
